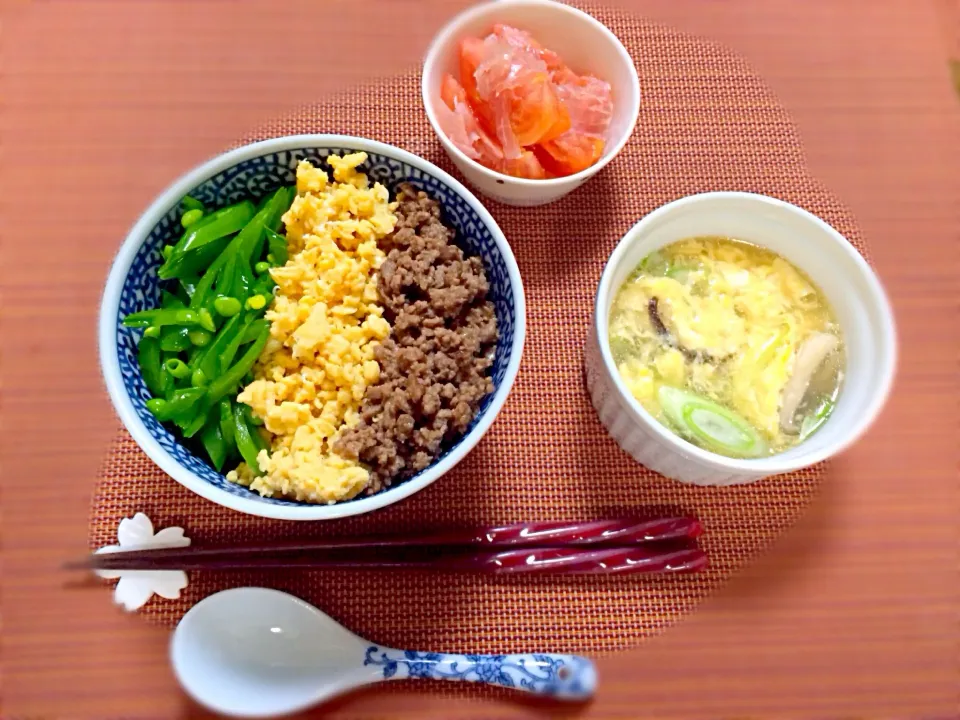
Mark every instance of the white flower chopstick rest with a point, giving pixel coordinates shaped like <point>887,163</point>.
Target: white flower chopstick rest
<point>136,587</point>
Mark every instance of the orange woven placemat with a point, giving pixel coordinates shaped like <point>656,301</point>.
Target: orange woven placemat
<point>707,123</point>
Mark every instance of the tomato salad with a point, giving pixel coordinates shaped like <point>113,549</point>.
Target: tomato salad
<point>518,109</point>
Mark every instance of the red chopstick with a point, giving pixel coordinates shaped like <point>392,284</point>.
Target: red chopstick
<point>623,545</point>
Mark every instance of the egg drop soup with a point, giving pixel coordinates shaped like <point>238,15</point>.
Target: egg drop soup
<point>728,345</point>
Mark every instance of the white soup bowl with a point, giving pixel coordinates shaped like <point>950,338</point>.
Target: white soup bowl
<point>850,286</point>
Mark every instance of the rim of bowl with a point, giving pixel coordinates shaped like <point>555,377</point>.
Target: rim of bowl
<point>773,464</point>
<point>453,26</point>
<point>107,332</point>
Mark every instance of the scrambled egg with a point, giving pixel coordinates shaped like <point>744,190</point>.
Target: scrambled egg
<point>738,311</point>
<point>325,326</point>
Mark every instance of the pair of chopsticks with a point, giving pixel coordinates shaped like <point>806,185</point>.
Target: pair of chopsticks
<point>617,546</point>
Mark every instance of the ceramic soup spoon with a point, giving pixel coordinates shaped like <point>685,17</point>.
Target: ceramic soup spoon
<point>256,652</point>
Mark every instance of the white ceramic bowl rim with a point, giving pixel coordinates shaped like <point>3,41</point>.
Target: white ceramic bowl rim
<point>107,331</point>
<point>774,464</point>
<point>465,17</point>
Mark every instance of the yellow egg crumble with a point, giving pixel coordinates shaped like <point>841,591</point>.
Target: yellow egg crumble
<point>325,326</point>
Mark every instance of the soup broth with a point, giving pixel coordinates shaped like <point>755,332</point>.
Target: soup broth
<point>728,345</point>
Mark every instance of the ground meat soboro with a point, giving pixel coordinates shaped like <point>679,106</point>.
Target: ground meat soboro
<point>434,367</point>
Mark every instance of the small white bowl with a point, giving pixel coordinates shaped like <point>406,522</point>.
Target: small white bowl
<point>851,287</point>
<point>584,43</point>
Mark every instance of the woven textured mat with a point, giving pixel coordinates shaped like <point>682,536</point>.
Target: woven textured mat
<point>707,123</point>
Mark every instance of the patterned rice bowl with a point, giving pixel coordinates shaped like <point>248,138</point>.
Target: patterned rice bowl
<point>252,171</point>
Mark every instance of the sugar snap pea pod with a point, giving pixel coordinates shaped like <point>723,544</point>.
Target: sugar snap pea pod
<point>180,405</point>
<point>148,357</point>
<point>188,286</point>
<point>277,246</point>
<point>273,222</point>
<point>169,300</point>
<point>208,362</point>
<point>226,421</point>
<point>231,378</point>
<point>243,281</point>
<point>214,443</point>
<point>252,332</point>
<point>251,237</point>
<point>197,259</point>
<point>174,338</point>
<point>215,226</point>
<point>193,423</point>
<point>248,447</point>
<point>191,203</point>
<point>203,291</point>
<point>249,332</point>
<point>161,317</point>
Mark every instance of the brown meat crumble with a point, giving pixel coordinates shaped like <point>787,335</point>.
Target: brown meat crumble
<point>434,367</point>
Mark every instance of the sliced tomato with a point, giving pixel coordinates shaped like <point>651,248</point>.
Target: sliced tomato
<point>561,125</point>
<point>525,166</point>
<point>570,153</point>
<point>535,110</point>
<point>472,53</point>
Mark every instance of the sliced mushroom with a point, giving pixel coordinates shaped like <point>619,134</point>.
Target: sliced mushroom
<point>653,309</point>
<point>810,356</point>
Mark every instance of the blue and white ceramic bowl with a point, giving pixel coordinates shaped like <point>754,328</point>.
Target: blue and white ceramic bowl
<point>252,171</point>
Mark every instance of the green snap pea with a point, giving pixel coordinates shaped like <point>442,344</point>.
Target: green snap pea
<point>197,378</point>
<point>180,405</point>
<point>166,252</point>
<point>174,338</point>
<point>214,443</point>
<point>206,320</point>
<point>210,229</point>
<point>194,422</point>
<point>196,260</point>
<point>226,421</point>
<point>248,333</point>
<point>209,360</point>
<point>227,306</point>
<point>190,217</point>
<point>177,368</point>
<point>200,338</point>
<point>160,317</point>
<point>246,444</point>
<point>232,377</point>
<point>169,300</point>
<point>277,247</point>
<point>188,286</point>
<point>191,203</point>
<point>148,357</point>
<point>252,332</point>
<point>152,332</point>
<point>261,267</point>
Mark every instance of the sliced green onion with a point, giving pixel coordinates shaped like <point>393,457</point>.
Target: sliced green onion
<point>811,423</point>
<point>709,425</point>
